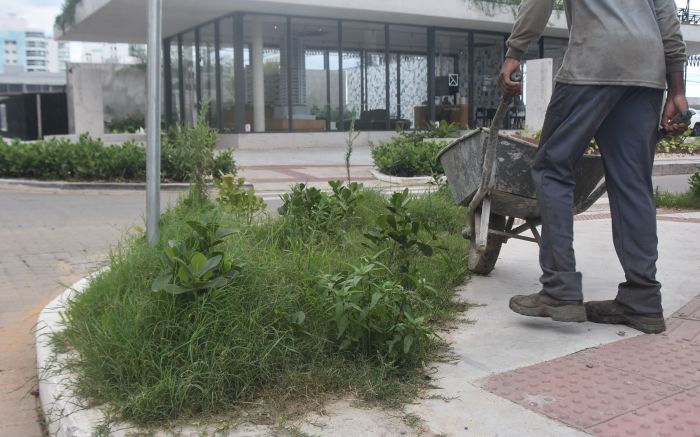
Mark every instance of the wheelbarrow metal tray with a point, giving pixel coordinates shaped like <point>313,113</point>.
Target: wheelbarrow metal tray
<point>514,191</point>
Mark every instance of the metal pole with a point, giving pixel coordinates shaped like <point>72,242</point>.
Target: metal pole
<point>39,121</point>
<point>153,123</point>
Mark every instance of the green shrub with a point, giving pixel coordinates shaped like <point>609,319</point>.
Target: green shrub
<point>401,234</point>
<point>679,144</point>
<point>694,182</point>
<point>130,124</point>
<point>233,196</point>
<point>372,314</point>
<point>406,156</point>
<point>87,159</point>
<point>187,155</point>
<point>271,336</point>
<point>311,210</point>
<point>195,265</point>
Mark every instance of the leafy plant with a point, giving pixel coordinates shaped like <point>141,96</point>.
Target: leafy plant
<point>405,235</point>
<point>443,129</point>
<point>232,195</point>
<point>195,264</point>
<point>67,15</point>
<point>127,124</point>
<point>374,315</point>
<point>349,142</point>
<point>694,182</point>
<point>313,210</point>
<point>191,151</point>
<point>189,271</point>
<point>679,144</point>
<point>408,155</point>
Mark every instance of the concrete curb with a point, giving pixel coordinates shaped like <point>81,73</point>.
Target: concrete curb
<point>403,181</point>
<point>64,414</point>
<point>64,185</point>
<point>669,167</point>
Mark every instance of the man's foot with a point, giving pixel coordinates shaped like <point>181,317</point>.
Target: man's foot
<point>610,311</point>
<point>542,305</point>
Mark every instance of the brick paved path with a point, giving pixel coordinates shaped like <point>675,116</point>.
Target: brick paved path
<point>645,386</point>
<point>47,238</point>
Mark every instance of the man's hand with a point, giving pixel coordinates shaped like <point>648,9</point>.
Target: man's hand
<point>675,104</point>
<point>507,86</point>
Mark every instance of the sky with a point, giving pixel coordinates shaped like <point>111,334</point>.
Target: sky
<point>40,14</point>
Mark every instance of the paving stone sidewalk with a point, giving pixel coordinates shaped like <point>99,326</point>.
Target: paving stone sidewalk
<point>644,386</point>
<point>48,239</point>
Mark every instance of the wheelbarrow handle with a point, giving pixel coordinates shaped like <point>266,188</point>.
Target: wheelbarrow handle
<point>681,117</point>
<point>489,157</point>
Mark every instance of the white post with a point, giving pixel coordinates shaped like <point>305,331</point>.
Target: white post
<point>153,123</point>
<point>256,60</point>
<point>538,92</point>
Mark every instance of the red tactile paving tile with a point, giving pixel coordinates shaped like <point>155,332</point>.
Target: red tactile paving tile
<point>660,357</point>
<point>577,393</point>
<point>677,416</point>
<point>690,311</point>
<point>683,329</point>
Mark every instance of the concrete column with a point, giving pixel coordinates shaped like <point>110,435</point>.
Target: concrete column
<point>85,100</point>
<point>256,60</point>
<point>538,92</point>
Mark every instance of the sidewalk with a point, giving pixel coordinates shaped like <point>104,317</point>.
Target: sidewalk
<point>52,237</point>
<point>519,376</point>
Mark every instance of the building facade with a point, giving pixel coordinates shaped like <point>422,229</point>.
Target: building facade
<point>314,66</point>
<point>26,49</point>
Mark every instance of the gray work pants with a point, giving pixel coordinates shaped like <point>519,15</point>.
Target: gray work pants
<point>624,121</point>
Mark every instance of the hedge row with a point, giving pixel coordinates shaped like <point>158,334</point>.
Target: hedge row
<point>90,159</point>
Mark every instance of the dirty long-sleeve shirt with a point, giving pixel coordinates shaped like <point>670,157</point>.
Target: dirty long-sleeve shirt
<point>611,42</point>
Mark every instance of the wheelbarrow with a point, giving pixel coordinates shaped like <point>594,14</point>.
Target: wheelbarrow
<point>489,173</point>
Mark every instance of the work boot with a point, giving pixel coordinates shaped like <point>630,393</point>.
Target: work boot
<point>611,311</point>
<point>542,305</point>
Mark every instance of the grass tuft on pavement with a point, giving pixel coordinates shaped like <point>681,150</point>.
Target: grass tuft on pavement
<point>154,357</point>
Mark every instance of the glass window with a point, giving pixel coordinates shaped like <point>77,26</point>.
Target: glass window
<point>364,74</point>
<point>207,69</point>
<point>452,78</point>
<point>273,32</point>
<point>189,85</point>
<point>408,76</point>
<point>175,79</point>
<point>226,57</point>
<point>3,117</point>
<point>314,45</point>
<point>488,57</point>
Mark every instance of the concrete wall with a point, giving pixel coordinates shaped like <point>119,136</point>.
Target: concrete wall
<point>84,98</point>
<point>99,92</point>
<point>538,92</point>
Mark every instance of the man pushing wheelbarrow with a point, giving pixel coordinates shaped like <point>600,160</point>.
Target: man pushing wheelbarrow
<point>621,57</point>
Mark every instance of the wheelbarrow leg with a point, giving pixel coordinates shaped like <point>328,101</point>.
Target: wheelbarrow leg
<point>533,229</point>
<point>481,220</point>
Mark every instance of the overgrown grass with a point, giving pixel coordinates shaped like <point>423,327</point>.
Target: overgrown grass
<point>154,357</point>
<point>686,200</point>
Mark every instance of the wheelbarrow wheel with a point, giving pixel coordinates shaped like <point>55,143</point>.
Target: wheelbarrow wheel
<point>483,263</point>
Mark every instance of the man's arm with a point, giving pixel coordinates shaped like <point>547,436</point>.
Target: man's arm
<point>674,51</point>
<point>532,19</point>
